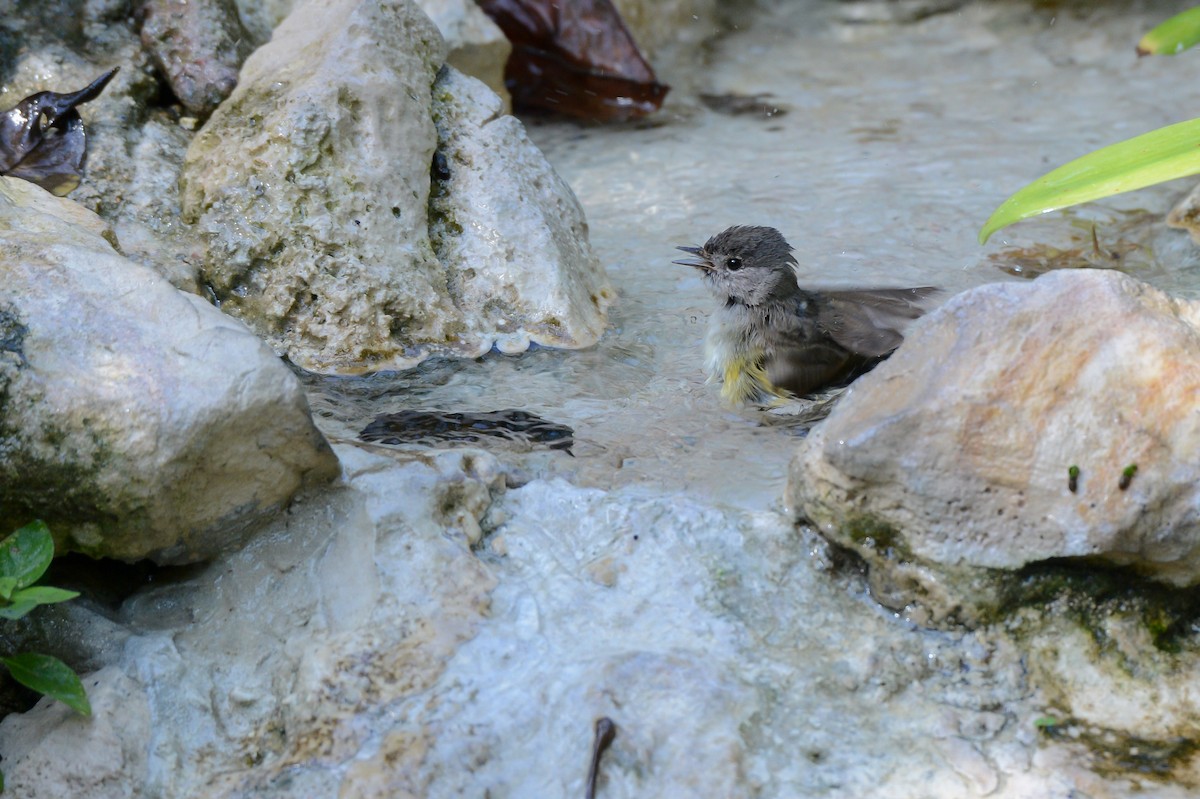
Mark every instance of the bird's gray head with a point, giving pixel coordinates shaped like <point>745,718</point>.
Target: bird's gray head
<point>746,265</point>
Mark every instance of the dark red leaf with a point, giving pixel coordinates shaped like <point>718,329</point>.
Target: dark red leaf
<point>42,139</point>
<point>574,57</point>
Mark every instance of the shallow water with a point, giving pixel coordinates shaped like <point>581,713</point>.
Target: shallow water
<point>895,144</point>
<point>738,656</point>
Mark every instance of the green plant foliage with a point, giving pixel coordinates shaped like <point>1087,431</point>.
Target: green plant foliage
<point>1154,157</point>
<point>26,599</point>
<point>24,557</point>
<point>1158,156</point>
<point>50,676</point>
<point>1173,36</point>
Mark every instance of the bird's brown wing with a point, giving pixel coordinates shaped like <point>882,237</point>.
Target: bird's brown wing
<point>870,322</point>
<point>805,366</point>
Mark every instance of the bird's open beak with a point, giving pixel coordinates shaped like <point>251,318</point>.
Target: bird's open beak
<point>699,261</point>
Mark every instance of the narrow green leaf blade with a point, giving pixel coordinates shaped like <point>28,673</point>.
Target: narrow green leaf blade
<point>50,676</point>
<point>26,553</point>
<point>43,595</point>
<point>17,610</point>
<point>1173,36</point>
<point>1154,157</point>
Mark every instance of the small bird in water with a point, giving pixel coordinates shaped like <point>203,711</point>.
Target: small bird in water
<point>771,342</point>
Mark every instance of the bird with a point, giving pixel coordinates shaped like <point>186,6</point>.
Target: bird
<point>771,342</point>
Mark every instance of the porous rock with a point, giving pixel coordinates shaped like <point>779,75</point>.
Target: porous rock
<point>951,463</point>
<point>271,671</point>
<point>134,152</point>
<point>475,45</point>
<point>501,219</point>
<point>312,184</point>
<point>136,420</point>
<point>198,45</point>
<point>60,753</point>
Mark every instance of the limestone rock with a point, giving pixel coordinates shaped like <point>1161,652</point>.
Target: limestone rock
<point>312,181</point>
<point>52,751</point>
<point>500,215</point>
<point>136,420</point>
<point>1110,676</point>
<point>475,44</point>
<point>134,152</point>
<point>312,184</point>
<point>261,16</point>
<point>952,459</point>
<point>198,45</point>
<point>365,646</point>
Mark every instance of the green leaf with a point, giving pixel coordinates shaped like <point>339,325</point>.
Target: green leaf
<point>44,595</point>
<point>1154,157</point>
<point>7,586</point>
<point>17,609</point>
<point>26,554</point>
<point>50,676</point>
<point>1173,36</point>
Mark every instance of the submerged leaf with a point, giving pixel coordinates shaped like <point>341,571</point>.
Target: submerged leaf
<point>1122,243</point>
<point>42,139</point>
<point>1154,157</point>
<point>50,676</point>
<point>575,58</point>
<point>516,428</point>
<point>1173,36</point>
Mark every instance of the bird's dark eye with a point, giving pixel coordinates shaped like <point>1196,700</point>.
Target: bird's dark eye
<point>733,264</point>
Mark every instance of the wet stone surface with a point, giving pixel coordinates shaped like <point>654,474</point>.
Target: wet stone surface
<point>441,608</point>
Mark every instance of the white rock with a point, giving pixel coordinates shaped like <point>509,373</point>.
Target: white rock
<point>952,457</point>
<point>361,648</point>
<point>502,220</point>
<point>476,45</point>
<point>1110,676</point>
<point>313,183</point>
<point>136,420</point>
<point>53,751</point>
<point>261,16</point>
